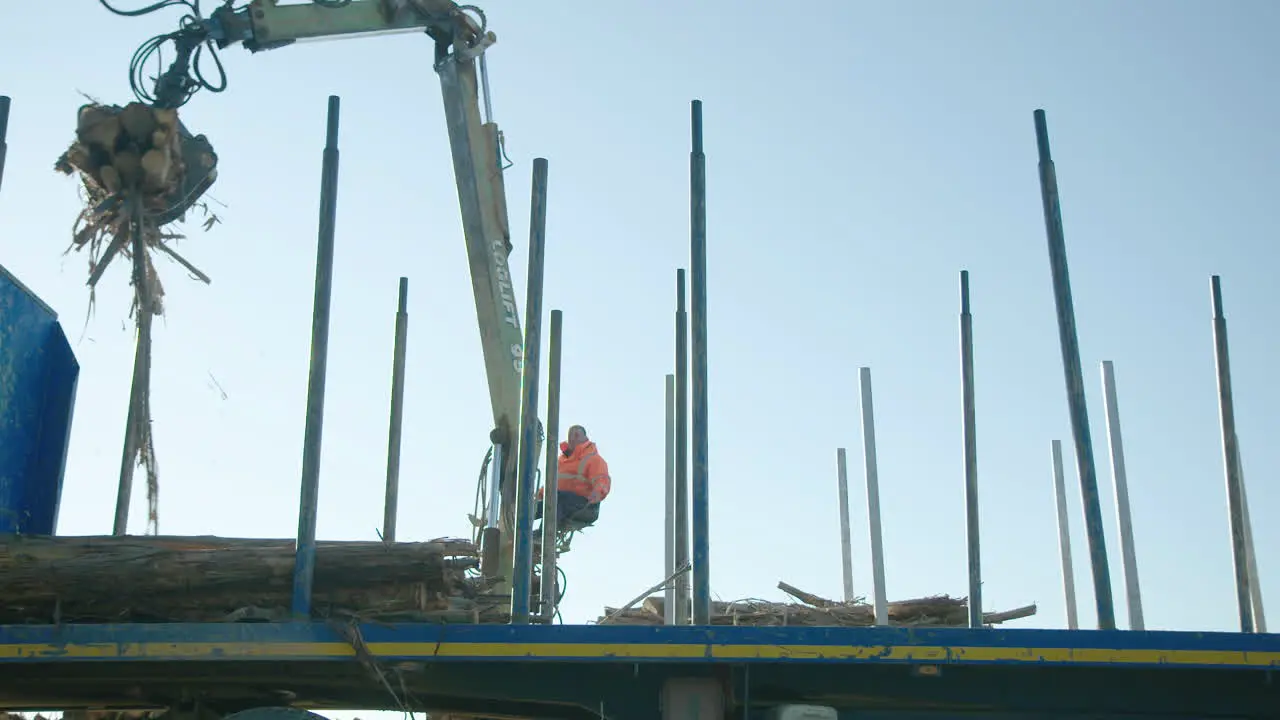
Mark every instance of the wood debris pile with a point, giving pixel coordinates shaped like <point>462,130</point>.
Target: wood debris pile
<point>139,170</point>
<point>208,579</point>
<point>815,611</point>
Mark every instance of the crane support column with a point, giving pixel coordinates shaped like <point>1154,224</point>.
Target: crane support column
<point>482,199</point>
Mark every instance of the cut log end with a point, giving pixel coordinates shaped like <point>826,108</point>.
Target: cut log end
<point>130,149</point>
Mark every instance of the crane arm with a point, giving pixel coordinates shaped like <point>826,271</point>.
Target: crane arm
<point>267,24</point>
<point>476,146</point>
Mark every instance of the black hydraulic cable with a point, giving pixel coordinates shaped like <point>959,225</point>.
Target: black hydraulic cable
<point>162,4</point>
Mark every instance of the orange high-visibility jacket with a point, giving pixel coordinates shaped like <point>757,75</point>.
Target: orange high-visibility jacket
<point>583,473</point>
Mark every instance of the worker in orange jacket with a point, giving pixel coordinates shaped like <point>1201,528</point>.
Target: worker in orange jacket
<point>582,481</point>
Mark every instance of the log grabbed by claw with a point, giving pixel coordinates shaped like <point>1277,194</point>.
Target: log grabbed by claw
<point>140,152</point>
<point>140,170</point>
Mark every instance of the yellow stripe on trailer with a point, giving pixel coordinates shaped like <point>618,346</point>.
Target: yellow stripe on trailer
<point>213,651</point>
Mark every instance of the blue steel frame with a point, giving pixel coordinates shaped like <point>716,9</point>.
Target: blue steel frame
<point>594,672</point>
<point>39,375</point>
<point>318,641</point>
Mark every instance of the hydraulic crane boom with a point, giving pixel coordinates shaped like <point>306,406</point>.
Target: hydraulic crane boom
<point>476,145</point>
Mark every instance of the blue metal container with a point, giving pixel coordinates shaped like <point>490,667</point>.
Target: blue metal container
<point>38,375</point>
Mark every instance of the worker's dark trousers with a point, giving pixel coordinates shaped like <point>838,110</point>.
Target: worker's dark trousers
<point>567,505</point>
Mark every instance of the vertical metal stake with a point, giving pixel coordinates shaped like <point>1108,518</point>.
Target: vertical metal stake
<point>683,599</point>
<point>1255,585</point>
<point>522,576</point>
<point>873,496</point>
<point>392,499</point>
<point>970,455</point>
<point>1231,458</point>
<point>141,371</point>
<point>4,134</point>
<point>1064,534</point>
<point>491,538</point>
<point>669,528</point>
<point>304,562</point>
<point>551,474</point>
<point>701,482</point>
<point>1124,518</point>
<point>1074,376</point>
<point>846,546</point>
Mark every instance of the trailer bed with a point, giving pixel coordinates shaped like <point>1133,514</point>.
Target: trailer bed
<point>618,672</point>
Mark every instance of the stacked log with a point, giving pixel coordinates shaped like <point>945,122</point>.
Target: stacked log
<point>205,579</point>
<point>211,579</point>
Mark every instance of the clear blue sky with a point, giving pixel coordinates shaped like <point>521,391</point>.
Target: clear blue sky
<point>858,158</point>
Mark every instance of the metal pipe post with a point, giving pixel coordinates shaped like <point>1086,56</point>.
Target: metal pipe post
<point>550,475</point>
<point>970,455</point>
<point>683,599</point>
<point>1124,518</point>
<point>1255,585</point>
<point>1074,376</point>
<point>304,562</point>
<point>873,496</point>
<point>846,547</point>
<point>701,484</point>
<point>491,537</point>
<point>669,529</point>
<point>1231,458</point>
<point>1064,534</point>
<point>4,134</point>
<point>522,575</point>
<point>392,498</point>
<point>141,370</point>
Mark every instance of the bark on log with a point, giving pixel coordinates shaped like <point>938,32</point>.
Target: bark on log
<point>207,578</point>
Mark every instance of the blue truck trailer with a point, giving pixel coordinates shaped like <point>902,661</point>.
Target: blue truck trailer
<point>208,670</point>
